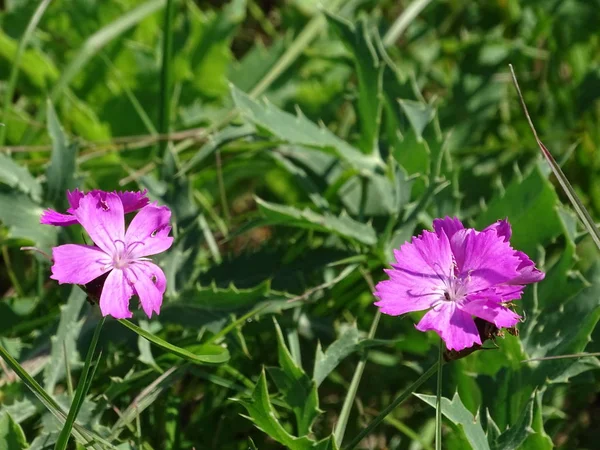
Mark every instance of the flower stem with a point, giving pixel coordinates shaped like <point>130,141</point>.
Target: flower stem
<point>409,390</point>
<point>438,400</point>
<point>340,427</point>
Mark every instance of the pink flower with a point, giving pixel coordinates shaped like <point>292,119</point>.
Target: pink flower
<point>455,274</point>
<point>132,201</point>
<point>122,254</point>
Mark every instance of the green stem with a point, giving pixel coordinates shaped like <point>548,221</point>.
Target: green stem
<point>412,388</point>
<point>438,399</point>
<point>340,428</point>
<point>82,389</point>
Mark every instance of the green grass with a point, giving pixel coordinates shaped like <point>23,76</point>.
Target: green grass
<point>298,144</point>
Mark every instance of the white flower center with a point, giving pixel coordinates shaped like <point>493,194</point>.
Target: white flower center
<point>454,290</point>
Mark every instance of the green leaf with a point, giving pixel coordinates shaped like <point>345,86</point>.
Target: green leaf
<point>370,77</point>
<point>342,225</point>
<point>11,434</point>
<point>513,438</point>
<point>530,206</point>
<point>205,354</point>
<point>326,362</point>
<point>65,339</point>
<point>263,415</point>
<point>300,131</point>
<point>298,390</point>
<point>60,173</point>
<point>419,115</point>
<point>255,64</point>
<point>456,412</point>
<point>538,440</point>
<point>18,177</point>
<point>22,218</point>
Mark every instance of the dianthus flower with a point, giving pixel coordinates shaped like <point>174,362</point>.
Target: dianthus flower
<point>132,201</point>
<point>456,273</point>
<point>123,255</point>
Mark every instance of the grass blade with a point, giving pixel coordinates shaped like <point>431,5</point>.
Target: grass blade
<point>14,72</point>
<point>340,428</point>
<point>166,75</point>
<point>82,389</point>
<point>81,433</point>
<point>582,212</point>
<point>407,392</point>
<point>403,21</point>
<point>213,354</point>
<point>93,45</point>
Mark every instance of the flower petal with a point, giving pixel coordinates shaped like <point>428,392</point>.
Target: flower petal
<point>449,225</point>
<point>455,327</point>
<point>78,264</point>
<point>117,291</point>
<point>483,259</point>
<point>51,217</point>
<point>491,311</point>
<point>418,277</point>
<point>103,219</point>
<point>74,197</point>
<point>149,283</point>
<point>528,273</point>
<point>502,228</point>
<point>506,293</point>
<point>148,232</point>
<point>132,200</point>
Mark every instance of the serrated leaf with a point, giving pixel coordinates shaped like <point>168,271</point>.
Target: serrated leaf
<point>357,39</point>
<point>343,225</point>
<point>419,115</point>
<point>512,438</point>
<point>538,440</point>
<point>456,412</point>
<point>298,390</point>
<point>65,338</point>
<point>299,130</point>
<point>263,415</point>
<point>11,434</point>
<point>530,205</point>
<point>60,172</point>
<point>22,218</point>
<point>326,362</point>
<point>18,177</point>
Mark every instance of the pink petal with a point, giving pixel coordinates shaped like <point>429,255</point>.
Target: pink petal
<point>51,217</point>
<point>132,201</point>
<point>527,271</point>
<point>492,312</point>
<point>117,291</point>
<point>448,225</point>
<point>417,279</point>
<point>455,327</point>
<point>78,264</point>
<point>148,232</point>
<point>103,219</point>
<point>149,282</point>
<point>483,259</point>
<point>74,197</point>
<point>502,228</point>
<point>506,293</point>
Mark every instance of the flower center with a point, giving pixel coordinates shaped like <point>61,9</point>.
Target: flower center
<point>454,290</point>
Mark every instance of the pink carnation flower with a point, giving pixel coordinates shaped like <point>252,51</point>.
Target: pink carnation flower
<point>455,274</point>
<point>132,201</point>
<point>122,254</point>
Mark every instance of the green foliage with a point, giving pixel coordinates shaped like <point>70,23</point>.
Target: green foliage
<point>303,150</point>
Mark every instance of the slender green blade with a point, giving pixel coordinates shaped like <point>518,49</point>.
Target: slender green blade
<point>206,354</point>
<point>80,393</point>
<point>581,210</point>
